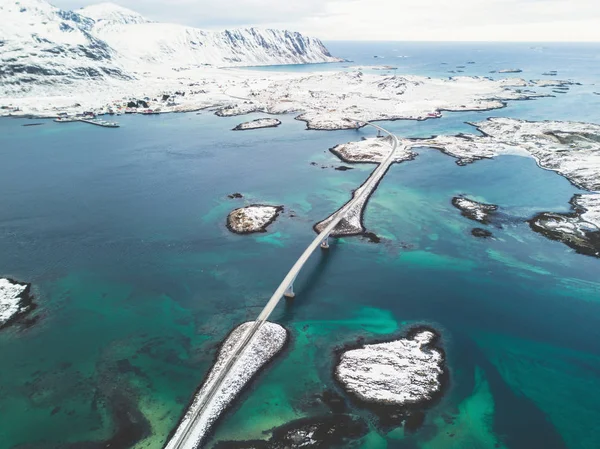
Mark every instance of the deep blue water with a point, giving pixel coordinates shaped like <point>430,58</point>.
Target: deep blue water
<point>122,232</point>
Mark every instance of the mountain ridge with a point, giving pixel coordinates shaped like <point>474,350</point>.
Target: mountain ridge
<point>41,45</point>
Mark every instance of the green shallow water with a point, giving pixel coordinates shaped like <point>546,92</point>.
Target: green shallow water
<point>137,280</point>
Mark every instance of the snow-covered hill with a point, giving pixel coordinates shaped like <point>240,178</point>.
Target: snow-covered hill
<point>43,48</point>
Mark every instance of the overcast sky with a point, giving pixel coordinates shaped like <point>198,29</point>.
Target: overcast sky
<point>477,20</point>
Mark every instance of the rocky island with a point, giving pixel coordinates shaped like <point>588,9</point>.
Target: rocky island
<point>15,300</point>
<point>579,229</point>
<point>393,378</point>
<point>474,210</point>
<point>253,218</point>
<point>269,341</point>
<point>258,123</point>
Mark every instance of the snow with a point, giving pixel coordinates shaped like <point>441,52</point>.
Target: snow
<point>269,340</point>
<point>254,218</point>
<point>591,205</point>
<point>258,123</point>
<point>105,14</point>
<point>370,150</point>
<point>10,299</point>
<point>571,149</point>
<point>399,372</point>
<point>327,100</point>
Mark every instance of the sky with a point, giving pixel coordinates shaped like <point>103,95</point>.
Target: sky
<point>401,20</point>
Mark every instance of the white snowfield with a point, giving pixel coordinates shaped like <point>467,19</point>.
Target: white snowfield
<point>270,339</point>
<point>325,100</point>
<point>398,373</point>
<point>254,218</point>
<point>10,300</point>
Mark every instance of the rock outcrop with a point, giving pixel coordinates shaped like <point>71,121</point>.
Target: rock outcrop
<point>253,218</point>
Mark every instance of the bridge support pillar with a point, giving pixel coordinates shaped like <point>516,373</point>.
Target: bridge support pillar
<point>289,292</point>
<point>325,243</point>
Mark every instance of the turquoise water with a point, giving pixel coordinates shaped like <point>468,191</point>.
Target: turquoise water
<point>122,232</point>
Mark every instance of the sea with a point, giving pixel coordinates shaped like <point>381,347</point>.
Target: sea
<point>137,279</point>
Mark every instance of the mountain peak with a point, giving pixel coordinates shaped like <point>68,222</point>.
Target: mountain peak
<point>112,13</point>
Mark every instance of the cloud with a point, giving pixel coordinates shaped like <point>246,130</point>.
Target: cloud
<point>512,20</point>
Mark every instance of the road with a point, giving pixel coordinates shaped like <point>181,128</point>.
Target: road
<point>180,440</point>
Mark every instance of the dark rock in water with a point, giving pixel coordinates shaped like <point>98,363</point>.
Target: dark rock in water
<point>414,421</point>
<point>474,210</point>
<point>479,232</point>
<point>313,433</point>
<point>32,124</point>
<point>235,195</point>
<point>334,401</point>
<point>569,228</point>
<point>344,168</point>
<point>372,237</point>
<point>131,426</point>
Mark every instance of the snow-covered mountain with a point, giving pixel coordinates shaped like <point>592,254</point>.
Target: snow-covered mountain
<point>41,45</point>
<point>110,14</point>
<point>140,40</point>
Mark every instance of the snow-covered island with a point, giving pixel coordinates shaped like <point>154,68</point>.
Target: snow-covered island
<point>474,210</point>
<point>15,300</point>
<point>394,376</point>
<point>258,123</point>
<point>370,150</point>
<point>253,218</point>
<point>579,229</point>
<point>269,341</point>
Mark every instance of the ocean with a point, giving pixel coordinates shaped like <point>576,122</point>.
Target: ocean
<point>137,280</point>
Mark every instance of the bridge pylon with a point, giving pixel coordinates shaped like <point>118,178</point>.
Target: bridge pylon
<point>289,291</point>
<point>325,242</point>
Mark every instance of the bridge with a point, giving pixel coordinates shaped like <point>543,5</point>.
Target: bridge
<point>181,440</point>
